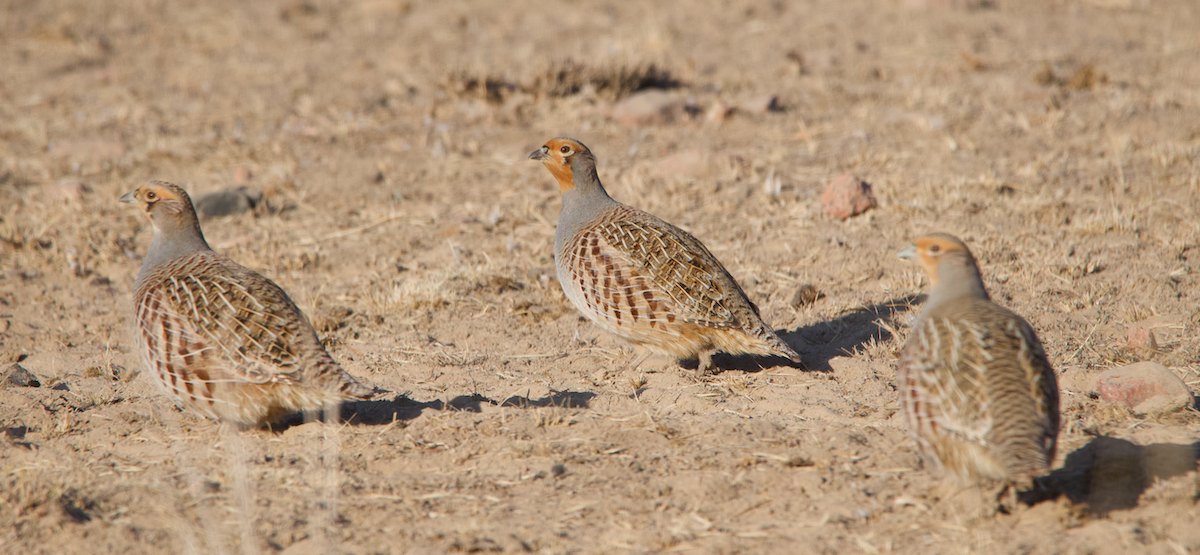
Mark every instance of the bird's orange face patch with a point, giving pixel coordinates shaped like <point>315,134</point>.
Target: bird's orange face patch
<point>557,158</point>
<point>155,194</point>
<point>929,252</point>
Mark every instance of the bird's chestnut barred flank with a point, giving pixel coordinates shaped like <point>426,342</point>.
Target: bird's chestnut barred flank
<point>219,338</point>
<point>643,279</point>
<point>976,389</point>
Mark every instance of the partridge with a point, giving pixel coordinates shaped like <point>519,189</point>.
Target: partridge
<point>220,338</point>
<point>976,389</point>
<point>643,279</point>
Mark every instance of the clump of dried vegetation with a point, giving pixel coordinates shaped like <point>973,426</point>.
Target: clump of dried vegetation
<point>561,79</point>
<point>569,77</point>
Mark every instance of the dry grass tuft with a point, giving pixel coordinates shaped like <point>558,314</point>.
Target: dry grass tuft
<point>35,492</point>
<point>488,88</point>
<point>554,416</point>
<point>561,79</point>
<point>428,290</point>
<point>568,77</point>
<point>875,349</point>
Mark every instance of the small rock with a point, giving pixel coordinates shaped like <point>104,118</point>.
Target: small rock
<point>718,112</point>
<point>648,107</point>
<point>760,104</point>
<point>847,195</point>
<point>241,174</point>
<point>1140,338</point>
<point>17,376</point>
<point>227,202</point>
<point>806,295</point>
<point>1144,387</point>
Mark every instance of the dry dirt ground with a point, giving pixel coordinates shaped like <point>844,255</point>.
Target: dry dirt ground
<point>1060,138</point>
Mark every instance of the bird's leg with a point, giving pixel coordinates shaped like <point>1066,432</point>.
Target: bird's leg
<point>1006,498</point>
<point>705,364</point>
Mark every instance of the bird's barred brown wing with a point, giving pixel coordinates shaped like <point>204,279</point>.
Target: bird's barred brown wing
<point>205,315</point>
<point>982,381</point>
<point>639,271</point>
<point>942,381</point>
<point>1027,415</point>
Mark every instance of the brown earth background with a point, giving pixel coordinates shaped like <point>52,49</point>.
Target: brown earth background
<point>1060,139</point>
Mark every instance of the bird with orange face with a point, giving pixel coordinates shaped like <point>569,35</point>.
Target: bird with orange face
<point>643,279</point>
<point>976,388</point>
<point>218,337</point>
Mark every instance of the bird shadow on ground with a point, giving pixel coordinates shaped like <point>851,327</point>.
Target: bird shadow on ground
<point>378,412</point>
<point>1111,474</point>
<point>819,342</point>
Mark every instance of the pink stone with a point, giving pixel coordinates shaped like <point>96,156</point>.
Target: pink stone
<point>1140,338</point>
<point>847,195</point>
<point>241,174</point>
<point>1144,387</point>
<point>718,112</point>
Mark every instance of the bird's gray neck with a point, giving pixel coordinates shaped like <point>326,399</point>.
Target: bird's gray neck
<point>955,281</point>
<point>580,205</point>
<point>169,245</point>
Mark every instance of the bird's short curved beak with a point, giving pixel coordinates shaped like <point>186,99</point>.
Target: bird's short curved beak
<point>908,252</point>
<point>129,197</point>
<point>540,154</point>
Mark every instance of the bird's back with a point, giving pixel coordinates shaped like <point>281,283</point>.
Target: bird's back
<point>653,283</point>
<point>224,339</point>
<point>978,391</point>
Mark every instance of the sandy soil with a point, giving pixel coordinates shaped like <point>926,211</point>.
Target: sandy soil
<point>1060,138</point>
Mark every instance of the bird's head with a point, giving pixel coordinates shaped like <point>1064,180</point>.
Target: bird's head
<point>566,159</point>
<point>934,249</point>
<point>167,204</point>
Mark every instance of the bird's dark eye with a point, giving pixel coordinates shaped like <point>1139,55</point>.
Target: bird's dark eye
<point>151,195</point>
<point>564,149</point>
<point>935,248</point>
